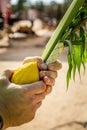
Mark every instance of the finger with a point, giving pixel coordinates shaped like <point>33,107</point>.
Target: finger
<point>52,74</point>
<point>49,81</point>
<point>55,66</point>
<point>40,97</point>
<point>32,59</point>
<point>42,66</point>
<point>48,90</point>
<point>35,88</point>
<point>36,106</point>
<point>5,77</point>
<point>8,73</point>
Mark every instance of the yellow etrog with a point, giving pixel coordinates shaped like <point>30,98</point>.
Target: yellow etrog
<point>26,73</point>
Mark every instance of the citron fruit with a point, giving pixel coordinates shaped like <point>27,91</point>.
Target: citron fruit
<point>26,73</point>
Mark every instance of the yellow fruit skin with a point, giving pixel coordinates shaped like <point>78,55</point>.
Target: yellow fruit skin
<point>25,74</point>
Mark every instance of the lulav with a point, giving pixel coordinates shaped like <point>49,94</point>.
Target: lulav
<point>64,23</point>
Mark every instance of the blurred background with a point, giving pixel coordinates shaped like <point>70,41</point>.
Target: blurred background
<point>39,17</point>
<point>28,23</point>
<point>25,28</point>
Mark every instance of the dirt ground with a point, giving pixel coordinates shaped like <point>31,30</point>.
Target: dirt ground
<point>61,110</point>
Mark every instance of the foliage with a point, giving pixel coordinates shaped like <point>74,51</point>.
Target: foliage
<point>72,33</point>
<point>52,10</point>
<point>20,5</point>
<point>75,37</point>
<point>40,6</point>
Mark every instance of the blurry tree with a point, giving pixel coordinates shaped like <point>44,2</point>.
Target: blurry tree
<point>68,1</point>
<point>59,12</point>
<point>51,9</point>
<point>20,5</point>
<point>40,6</point>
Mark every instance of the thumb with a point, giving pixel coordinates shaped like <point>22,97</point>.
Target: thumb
<point>32,59</point>
<point>8,73</point>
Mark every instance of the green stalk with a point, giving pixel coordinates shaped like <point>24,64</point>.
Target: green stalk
<point>65,22</point>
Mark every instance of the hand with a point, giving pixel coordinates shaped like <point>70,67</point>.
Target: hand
<point>18,103</point>
<point>47,72</point>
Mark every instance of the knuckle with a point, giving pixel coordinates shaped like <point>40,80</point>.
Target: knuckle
<point>56,74</point>
<point>53,82</point>
<point>42,74</point>
<point>49,89</point>
<point>43,86</point>
<point>59,65</point>
<point>50,67</point>
<point>45,79</point>
<point>53,74</point>
<point>55,66</point>
<point>49,81</point>
<point>43,96</point>
<point>42,66</point>
<point>38,59</point>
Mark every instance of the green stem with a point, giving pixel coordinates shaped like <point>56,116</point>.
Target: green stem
<point>66,20</point>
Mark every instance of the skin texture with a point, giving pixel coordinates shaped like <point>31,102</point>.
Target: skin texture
<point>19,103</point>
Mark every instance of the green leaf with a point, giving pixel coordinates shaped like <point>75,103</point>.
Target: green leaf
<point>68,77</point>
<point>77,56</point>
<point>82,35</point>
<point>70,60</point>
<point>74,69</point>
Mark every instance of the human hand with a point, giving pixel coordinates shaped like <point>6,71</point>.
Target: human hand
<point>18,103</point>
<point>48,73</point>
